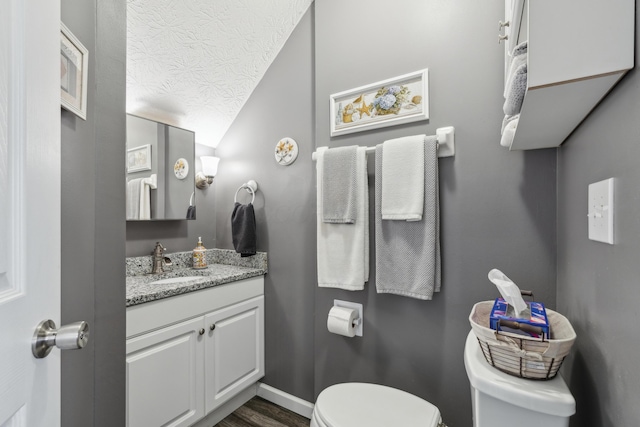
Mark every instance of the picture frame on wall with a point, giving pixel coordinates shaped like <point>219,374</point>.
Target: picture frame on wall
<point>139,158</point>
<point>390,102</point>
<point>74,72</point>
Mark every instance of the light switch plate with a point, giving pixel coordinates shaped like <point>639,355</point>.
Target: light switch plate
<point>601,211</point>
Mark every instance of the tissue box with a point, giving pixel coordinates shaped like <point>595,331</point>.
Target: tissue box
<point>536,316</point>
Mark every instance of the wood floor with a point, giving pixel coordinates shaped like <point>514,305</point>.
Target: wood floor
<point>260,413</point>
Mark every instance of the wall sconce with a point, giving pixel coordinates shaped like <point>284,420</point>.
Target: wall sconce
<point>205,177</point>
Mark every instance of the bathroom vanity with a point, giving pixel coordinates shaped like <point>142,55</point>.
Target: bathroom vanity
<point>195,340</point>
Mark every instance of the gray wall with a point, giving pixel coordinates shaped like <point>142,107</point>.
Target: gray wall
<point>597,282</point>
<point>93,233</point>
<point>497,207</point>
<point>78,227</point>
<point>180,144</point>
<point>180,235</point>
<point>281,106</point>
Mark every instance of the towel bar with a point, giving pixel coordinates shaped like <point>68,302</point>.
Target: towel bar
<point>446,143</point>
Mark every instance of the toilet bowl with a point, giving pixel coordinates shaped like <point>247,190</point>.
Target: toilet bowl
<point>501,399</point>
<point>371,405</point>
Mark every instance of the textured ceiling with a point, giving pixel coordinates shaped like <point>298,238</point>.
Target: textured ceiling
<point>194,63</point>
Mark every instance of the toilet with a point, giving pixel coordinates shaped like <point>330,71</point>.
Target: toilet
<point>371,405</point>
<point>497,399</point>
<point>501,399</point>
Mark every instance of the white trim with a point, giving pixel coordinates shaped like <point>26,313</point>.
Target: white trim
<point>227,408</point>
<point>286,400</point>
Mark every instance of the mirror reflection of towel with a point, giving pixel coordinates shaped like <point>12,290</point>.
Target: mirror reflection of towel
<point>133,198</point>
<point>243,229</point>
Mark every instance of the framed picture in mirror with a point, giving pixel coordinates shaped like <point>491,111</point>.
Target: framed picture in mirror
<point>139,159</point>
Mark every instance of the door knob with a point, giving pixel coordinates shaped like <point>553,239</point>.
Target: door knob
<point>68,337</point>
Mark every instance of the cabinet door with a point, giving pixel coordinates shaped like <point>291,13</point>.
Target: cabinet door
<point>165,369</point>
<point>234,350</point>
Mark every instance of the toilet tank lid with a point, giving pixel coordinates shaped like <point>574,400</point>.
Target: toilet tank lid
<point>549,397</point>
<point>373,405</point>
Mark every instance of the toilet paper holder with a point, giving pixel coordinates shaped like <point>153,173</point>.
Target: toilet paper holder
<point>357,322</point>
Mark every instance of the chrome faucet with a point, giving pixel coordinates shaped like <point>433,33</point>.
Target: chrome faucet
<point>159,260</point>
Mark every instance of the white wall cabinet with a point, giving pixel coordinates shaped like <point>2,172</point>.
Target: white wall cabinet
<point>577,51</point>
<point>186,360</point>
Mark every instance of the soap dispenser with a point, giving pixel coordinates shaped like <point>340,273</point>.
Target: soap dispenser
<point>199,255</point>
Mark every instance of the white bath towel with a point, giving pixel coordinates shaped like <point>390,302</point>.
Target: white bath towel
<point>147,184</point>
<point>403,178</point>
<point>343,249</point>
<point>506,121</point>
<point>133,198</point>
<point>509,132</point>
<point>408,253</point>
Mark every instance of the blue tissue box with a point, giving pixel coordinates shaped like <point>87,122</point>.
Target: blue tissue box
<point>537,316</point>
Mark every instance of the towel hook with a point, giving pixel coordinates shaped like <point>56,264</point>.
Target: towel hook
<point>251,186</point>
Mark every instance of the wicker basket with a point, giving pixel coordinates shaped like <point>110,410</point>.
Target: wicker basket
<point>519,355</point>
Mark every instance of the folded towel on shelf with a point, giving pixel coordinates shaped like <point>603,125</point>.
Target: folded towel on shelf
<point>509,132</point>
<point>520,49</point>
<point>339,185</point>
<point>516,62</point>
<point>518,57</point>
<point>403,178</point>
<point>515,91</point>
<point>243,229</point>
<point>408,253</point>
<point>343,249</point>
<point>507,120</point>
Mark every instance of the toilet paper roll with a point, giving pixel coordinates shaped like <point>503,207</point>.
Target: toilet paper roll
<point>340,321</point>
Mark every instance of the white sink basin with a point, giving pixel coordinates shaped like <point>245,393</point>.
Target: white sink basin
<point>175,280</point>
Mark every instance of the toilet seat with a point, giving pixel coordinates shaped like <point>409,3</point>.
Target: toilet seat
<point>372,405</point>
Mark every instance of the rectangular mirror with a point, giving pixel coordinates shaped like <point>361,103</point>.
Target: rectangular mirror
<point>160,171</point>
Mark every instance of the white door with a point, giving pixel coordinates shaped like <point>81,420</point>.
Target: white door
<point>29,208</point>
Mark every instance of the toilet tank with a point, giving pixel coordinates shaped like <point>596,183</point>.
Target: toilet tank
<point>502,399</point>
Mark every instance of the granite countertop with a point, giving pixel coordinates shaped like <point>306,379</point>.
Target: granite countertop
<point>224,266</point>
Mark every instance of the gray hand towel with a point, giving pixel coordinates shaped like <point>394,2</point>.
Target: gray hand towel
<point>243,229</point>
<point>339,186</point>
<point>408,253</point>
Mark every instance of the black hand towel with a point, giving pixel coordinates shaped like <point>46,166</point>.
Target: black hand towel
<point>191,212</point>
<point>243,229</point>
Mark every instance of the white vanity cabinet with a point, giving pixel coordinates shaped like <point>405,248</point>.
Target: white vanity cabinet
<point>188,354</point>
<point>165,376</point>
<point>234,350</point>
<point>577,51</point>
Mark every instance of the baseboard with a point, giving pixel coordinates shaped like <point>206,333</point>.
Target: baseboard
<point>286,400</point>
<point>224,410</point>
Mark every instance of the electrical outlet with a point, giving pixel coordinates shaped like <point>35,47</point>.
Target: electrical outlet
<point>601,211</point>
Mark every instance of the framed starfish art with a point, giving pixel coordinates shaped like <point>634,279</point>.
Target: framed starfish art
<point>391,102</point>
